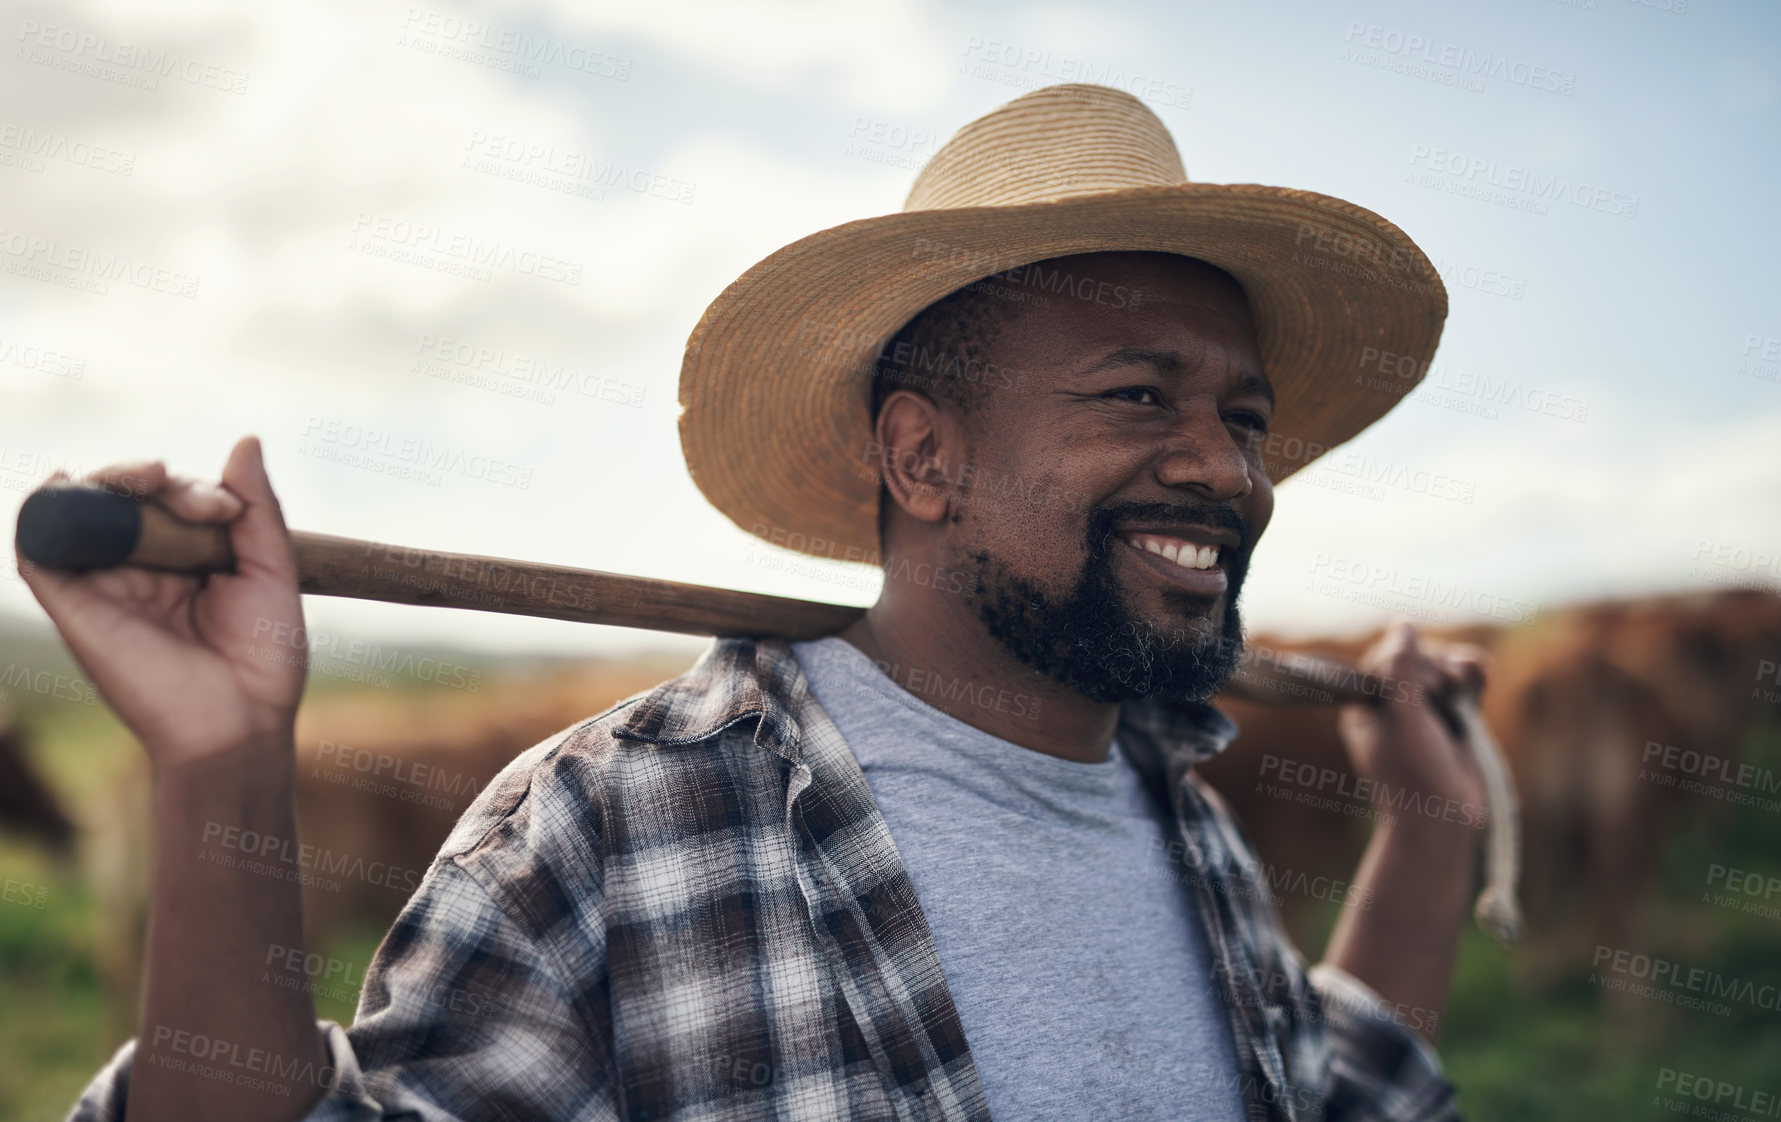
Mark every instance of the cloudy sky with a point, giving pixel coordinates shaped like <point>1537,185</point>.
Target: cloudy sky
<point>284,181</point>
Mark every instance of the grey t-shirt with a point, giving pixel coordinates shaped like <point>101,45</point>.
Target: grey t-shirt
<point>1079,968</point>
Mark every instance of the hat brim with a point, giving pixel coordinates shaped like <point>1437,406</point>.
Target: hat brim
<point>775,386</point>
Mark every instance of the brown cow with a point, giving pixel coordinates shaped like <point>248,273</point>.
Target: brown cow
<point>1609,723</point>
<point>27,806</point>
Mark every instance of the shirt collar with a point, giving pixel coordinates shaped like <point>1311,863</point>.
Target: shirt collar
<point>733,680</point>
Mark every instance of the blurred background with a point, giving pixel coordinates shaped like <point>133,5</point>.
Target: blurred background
<point>443,259</point>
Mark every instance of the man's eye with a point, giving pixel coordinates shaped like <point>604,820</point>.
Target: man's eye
<point>1137,394</point>
<point>1248,420</point>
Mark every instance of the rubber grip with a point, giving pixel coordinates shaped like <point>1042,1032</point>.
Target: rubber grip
<point>72,529</point>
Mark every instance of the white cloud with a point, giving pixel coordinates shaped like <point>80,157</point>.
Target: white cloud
<point>881,54</point>
<point>1546,524</point>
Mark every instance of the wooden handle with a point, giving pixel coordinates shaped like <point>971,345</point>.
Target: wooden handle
<point>78,529</point>
<point>1286,678</point>
<point>331,566</point>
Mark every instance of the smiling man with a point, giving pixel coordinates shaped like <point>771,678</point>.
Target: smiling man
<point>954,862</point>
<point>1110,576</point>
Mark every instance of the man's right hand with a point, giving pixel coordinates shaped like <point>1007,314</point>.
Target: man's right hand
<point>195,666</point>
<point>207,672</point>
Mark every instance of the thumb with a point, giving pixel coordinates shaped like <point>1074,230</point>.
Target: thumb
<point>259,537</point>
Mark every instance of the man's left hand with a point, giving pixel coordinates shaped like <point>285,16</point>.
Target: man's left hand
<point>1404,746</point>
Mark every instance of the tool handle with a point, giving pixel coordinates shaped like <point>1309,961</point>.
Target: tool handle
<point>78,529</point>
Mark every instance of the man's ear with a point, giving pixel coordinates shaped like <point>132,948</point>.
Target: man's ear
<point>920,449</point>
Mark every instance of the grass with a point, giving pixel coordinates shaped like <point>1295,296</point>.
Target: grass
<point>52,1027</point>
<point>1565,1053</point>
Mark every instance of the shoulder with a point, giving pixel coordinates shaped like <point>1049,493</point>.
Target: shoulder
<point>653,771</point>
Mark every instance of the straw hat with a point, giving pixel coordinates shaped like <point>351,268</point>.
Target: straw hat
<point>775,388</point>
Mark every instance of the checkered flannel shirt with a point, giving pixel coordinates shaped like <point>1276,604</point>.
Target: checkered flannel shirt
<point>689,907</point>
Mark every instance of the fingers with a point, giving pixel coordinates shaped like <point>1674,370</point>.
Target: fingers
<point>197,500</point>
<point>137,478</point>
<point>1467,666</point>
<point>1399,654</point>
<point>259,535</point>
<point>1403,653</point>
<point>194,500</point>
<point>1455,666</point>
<point>1401,642</point>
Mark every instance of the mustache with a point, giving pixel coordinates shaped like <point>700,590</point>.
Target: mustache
<point>1104,522</point>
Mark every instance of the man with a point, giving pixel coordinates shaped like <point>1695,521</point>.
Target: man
<point>952,863</point>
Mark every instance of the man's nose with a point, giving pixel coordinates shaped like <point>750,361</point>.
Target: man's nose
<point>1200,454</point>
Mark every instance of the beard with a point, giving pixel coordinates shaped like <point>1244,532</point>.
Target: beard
<point>1091,640</point>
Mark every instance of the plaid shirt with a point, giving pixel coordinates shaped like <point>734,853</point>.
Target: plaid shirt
<point>689,907</point>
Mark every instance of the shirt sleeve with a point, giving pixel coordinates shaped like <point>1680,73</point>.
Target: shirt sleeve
<point>1377,1068</point>
<point>462,1016</point>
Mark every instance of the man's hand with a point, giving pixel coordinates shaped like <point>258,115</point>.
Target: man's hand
<point>190,663</point>
<point>207,672</point>
<point>1417,871</point>
<point>1405,747</point>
